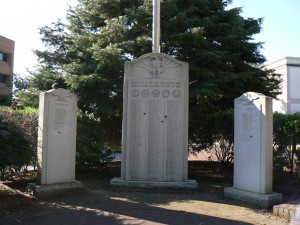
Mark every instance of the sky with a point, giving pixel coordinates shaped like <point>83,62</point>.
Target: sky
<point>280,30</point>
<point>20,21</point>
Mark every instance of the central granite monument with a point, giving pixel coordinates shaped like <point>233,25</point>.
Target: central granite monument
<point>155,123</point>
<point>155,120</point>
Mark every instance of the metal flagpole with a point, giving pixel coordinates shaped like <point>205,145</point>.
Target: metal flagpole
<point>156,27</point>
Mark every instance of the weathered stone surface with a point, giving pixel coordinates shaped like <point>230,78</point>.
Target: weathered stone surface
<point>253,143</point>
<point>253,151</point>
<point>155,120</point>
<point>57,136</point>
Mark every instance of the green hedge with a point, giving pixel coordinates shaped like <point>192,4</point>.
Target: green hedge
<point>92,154</point>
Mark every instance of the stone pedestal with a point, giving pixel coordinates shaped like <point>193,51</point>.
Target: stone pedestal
<point>263,200</point>
<point>155,122</point>
<point>253,150</point>
<point>187,185</point>
<point>56,140</point>
<point>53,189</point>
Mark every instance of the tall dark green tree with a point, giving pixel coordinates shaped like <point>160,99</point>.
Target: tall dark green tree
<point>89,51</point>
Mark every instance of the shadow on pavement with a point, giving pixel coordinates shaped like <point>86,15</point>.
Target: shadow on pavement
<point>93,208</point>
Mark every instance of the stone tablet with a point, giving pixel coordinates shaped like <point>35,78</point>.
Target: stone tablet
<point>253,142</point>
<point>57,136</point>
<point>155,120</point>
<point>253,151</point>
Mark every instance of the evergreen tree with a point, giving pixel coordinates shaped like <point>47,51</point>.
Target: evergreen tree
<point>89,51</point>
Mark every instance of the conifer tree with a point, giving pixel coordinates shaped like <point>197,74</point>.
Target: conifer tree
<point>89,51</point>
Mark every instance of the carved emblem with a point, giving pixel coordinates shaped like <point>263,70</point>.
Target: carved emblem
<point>61,94</point>
<point>135,92</point>
<point>155,93</point>
<point>145,93</point>
<point>156,65</point>
<point>166,93</point>
<point>176,93</point>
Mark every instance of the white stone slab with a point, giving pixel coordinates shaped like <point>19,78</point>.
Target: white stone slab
<point>155,120</point>
<point>57,136</point>
<point>253,139</point>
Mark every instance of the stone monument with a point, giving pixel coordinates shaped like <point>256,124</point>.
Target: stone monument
<point>56,142</point>
<point>253,151</point>
<point>155,119</point>
<point>155,123</point>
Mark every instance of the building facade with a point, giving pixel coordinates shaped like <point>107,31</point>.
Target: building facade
<point>289,101</point>
<point>7,47</point>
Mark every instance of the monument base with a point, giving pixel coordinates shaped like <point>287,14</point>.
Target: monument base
<point>53,189</point>
<point>263,200</point>
<point>187,185</point>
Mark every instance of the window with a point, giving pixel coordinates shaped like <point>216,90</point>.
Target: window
<point>3,78</point>
<point>3,57</point>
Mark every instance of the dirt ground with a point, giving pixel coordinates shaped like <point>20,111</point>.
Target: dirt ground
<point>97,204</point>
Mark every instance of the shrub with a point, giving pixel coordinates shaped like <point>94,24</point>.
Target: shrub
<point>18,133</point>
<point>18,141</point>
<point>218,138</point>
<point>92,154</point>
<point>286,138</point>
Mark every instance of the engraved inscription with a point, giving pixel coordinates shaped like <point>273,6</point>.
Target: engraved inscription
<point>60,116</point>
<point>155,139</point>
<point>136,139</point>
<point>173,139</point>
<point>247,121</point>
<point>155,143</point>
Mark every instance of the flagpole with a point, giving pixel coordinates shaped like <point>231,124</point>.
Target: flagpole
<point>156,27</point>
